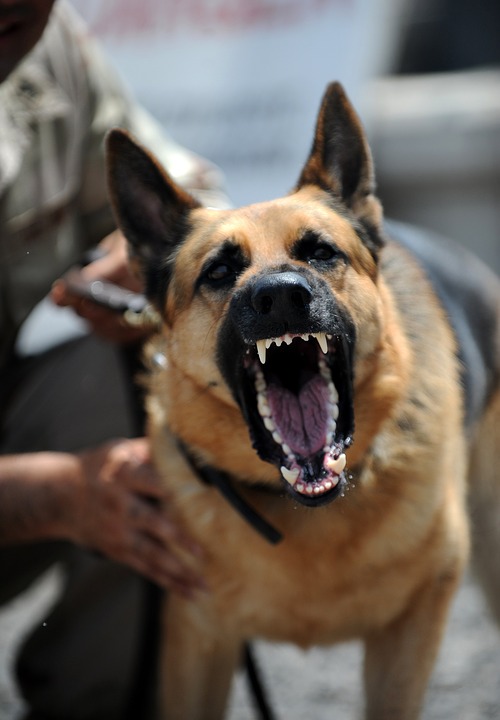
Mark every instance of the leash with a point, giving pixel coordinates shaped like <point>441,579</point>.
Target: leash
<point>256,685</point>
<point>222,481</point>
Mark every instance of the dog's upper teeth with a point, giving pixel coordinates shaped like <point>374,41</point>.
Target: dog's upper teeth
<point>321,338</point>
<point>264,344</point>
<point>333,394</point>
<point>263,405</point>
<point>261,350</point>
<point>269,424</point>
<point>260,381</point>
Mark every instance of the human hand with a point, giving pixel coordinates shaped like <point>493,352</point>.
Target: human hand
<point>121,510</point>
<point>113,267</point>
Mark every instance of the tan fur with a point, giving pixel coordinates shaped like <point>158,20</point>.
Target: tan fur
<point>381,563</point>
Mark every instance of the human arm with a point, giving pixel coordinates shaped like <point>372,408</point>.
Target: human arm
<point>111,266</point>
<point>107,104</point>
<point>106,499</point>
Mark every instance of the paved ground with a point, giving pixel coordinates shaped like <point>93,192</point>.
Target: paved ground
<point>325,684</point>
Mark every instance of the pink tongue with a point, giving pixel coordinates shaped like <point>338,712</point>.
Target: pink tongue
<point>301,420</point>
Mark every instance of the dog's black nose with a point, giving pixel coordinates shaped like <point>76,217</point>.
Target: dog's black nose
<point>279,292</point>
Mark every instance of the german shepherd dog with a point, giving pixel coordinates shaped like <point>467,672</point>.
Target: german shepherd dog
<point>308,349</point>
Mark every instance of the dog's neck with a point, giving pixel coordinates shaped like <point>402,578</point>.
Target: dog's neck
<point>222,481</point>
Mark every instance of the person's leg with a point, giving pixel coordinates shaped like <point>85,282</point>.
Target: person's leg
<point>81,664</point>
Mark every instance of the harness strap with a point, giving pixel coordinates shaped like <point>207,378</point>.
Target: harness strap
<point>222,481</point>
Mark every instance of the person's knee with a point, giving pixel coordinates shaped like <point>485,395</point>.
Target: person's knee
<point>74,396</point>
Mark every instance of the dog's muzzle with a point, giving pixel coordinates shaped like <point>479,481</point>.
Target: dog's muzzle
<point>285,350</point>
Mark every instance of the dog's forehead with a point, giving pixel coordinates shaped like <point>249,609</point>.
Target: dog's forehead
<point>270,229</point>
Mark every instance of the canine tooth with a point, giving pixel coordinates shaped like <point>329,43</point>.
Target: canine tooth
<point>321,338</point>
<point>290,475</point>
<point>261,350</point>
<point>337,465</point>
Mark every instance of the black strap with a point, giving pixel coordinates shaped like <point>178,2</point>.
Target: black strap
<point>222,481</point>
<point>256,685</point>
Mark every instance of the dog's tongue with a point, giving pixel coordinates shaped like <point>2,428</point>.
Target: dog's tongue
<point>301,419</point>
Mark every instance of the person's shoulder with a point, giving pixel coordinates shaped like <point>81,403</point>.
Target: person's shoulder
<point>61,50</point>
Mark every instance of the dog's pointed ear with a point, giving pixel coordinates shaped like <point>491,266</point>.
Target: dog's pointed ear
<point>150,208</point>
<point>340,160</point>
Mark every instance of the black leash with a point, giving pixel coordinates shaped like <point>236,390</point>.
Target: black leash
<point>256,685</point>
<point>222,481</point>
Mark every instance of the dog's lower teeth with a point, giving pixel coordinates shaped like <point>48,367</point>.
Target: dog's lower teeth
<point>316,488</point>
<point>290,475</point>
<point>337,465</point>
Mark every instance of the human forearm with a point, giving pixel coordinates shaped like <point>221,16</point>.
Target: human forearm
<point>101,499</point>
<point>36,496</point>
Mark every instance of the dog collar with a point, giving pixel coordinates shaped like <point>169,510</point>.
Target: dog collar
<point>222,481</point>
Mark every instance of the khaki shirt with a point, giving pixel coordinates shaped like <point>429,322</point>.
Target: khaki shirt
<point>55,110</point>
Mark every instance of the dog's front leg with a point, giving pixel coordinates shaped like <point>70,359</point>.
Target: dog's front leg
<point>399,659</point>
<point>198,658</point>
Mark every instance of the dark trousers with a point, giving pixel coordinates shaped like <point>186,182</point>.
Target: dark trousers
<point>93,657</point>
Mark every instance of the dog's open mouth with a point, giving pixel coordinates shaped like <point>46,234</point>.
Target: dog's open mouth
<point>298,394</point>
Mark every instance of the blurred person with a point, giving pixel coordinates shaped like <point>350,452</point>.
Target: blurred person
<point>76,481</point>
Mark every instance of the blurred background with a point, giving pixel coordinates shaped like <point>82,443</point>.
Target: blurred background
<point>240,82</point>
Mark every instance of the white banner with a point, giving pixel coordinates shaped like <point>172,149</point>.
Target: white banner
<point>240,81</point>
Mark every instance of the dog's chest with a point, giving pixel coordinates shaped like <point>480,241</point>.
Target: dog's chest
<point>316,587</point>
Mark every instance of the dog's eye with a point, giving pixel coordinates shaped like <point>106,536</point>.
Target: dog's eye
<point>312,249</point>
<point>322,253</point>
<point>219,273</point>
